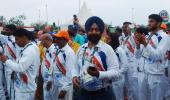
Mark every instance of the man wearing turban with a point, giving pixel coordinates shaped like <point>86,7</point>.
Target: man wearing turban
<point>97,64</point>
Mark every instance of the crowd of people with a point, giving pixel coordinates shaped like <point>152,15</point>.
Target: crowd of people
<point>86,62</point>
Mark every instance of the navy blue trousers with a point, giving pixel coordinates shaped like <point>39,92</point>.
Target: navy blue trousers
<point>103,94</point>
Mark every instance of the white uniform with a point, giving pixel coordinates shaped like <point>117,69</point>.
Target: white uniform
<point>62,70</point>
<point>118,86</point>
<point>109,67</point>
<point>47,69</point>
<point>131,79</point>
<point>36,42</point>
<point>141,74</point>
<point>167,74</point>
<point>11,51</point>
<point>152,82</point>
<point>2,92</point>
<point>26,68</point>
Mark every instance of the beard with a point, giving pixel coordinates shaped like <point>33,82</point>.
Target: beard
<point>151,28</point>
<point>94,38</point>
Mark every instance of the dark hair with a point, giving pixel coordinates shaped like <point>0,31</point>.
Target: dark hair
<point>129,23</point>
<point>73,28</point>
<point>142,30</point>
<point>23,32</point>
<point>12,27</point>
<point>156,17</point>
<point>118,29</point>
<point>114,40</point>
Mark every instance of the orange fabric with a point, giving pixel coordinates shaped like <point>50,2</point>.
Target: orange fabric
<point>63,34</point>
<point>163,26</point>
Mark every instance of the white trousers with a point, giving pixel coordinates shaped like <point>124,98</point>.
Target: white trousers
<point>151,87</point>
<point>131,83</point>
<point>167,89</point>
<point>51,94</point>
<point>2,92</point>
<point>118,88</point>
<point>9,84</point>
<point>25,96</point>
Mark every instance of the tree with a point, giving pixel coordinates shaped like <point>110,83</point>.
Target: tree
<point>17,20</point>
<point>168,26</point>
<point>39,26</point>
<point>3,19</point>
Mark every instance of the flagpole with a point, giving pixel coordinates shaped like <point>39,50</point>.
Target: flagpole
<point>39,13</point>
<point>79,5</point>
<point>47,12</point>
<point>132,15</point>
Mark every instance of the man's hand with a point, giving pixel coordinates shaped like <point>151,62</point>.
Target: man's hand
<point>3,58</point>
<point>137,41</point>
<point>140,39</point>
<point>76,82</point>
<point>93,71</point>
<point>62,94</point>
<point>49,85</point>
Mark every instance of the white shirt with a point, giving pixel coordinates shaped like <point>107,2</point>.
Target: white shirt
<point>125,41</point>
<point>1,50</point>
<point>28,63</point>
<point>9,43</point>
<point>108,59</point>
<point>122,58</point>
<point>67,58</point>
<point>3,38</point>
<point>153,55</point>
<point>46,67</point>
<point>168,68</point>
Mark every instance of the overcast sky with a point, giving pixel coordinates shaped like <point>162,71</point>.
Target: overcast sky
<point>115,11</point>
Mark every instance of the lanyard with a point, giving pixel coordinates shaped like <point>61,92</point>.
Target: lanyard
<point>59,64</point>
<point>13,43</point>
<point>25,48</point>
<point>125,41</point>
<point>47,63</point>
<point>95,50</point>
<point>23,75</point>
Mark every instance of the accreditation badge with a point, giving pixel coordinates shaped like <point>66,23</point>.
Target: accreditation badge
<point>146,54</point>
<point>87,79</point>
<point>18,82</point>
